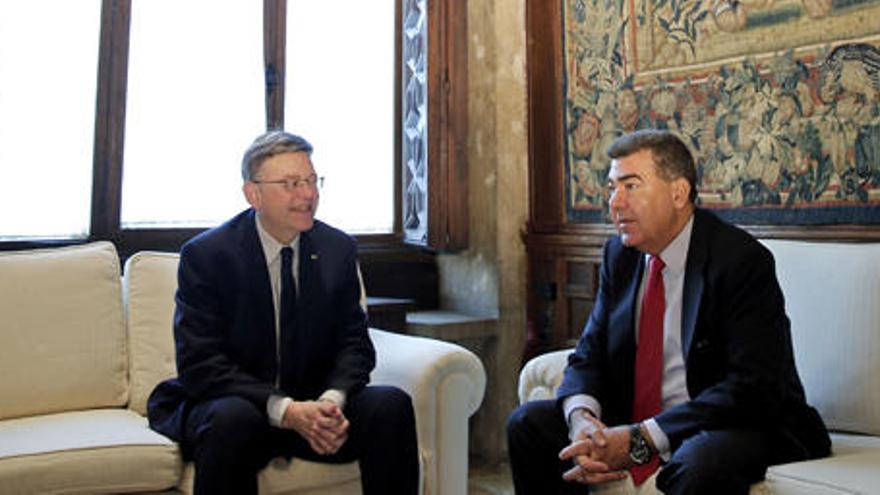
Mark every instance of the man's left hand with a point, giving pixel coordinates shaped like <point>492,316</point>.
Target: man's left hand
<point>597,463</point>
<point>320,422</point>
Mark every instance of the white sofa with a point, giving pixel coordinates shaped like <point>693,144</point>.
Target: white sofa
<point>81,348</point>
<point>832,296</point>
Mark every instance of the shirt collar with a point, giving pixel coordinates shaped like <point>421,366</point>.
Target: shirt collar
<point>271,247</point>
<point>674,255</point>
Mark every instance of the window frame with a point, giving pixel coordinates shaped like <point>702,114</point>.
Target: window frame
<point>448,115</point>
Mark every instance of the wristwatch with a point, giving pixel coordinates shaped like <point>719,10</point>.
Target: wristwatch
<point>639,450</point>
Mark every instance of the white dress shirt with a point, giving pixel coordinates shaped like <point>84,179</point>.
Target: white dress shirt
<point>674,386</point>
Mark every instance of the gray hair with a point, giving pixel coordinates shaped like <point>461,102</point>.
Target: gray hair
<point>268,145</point>
<point>671,156</point>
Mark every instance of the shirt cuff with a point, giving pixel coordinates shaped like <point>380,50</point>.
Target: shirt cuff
<point>580,401</point>
<point>335,396</point>
<point>661,441</point>
<point>275,407</point>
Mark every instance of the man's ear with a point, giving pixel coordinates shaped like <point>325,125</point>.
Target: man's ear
<point>252,194</point>
<point>681,190</point>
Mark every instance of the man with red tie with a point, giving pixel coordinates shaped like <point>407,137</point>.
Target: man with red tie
<point>685,363</point>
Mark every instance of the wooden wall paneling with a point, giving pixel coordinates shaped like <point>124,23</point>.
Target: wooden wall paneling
<point>545,106</point>
<point>447,126</point>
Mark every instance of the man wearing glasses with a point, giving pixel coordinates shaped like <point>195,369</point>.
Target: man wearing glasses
<point>273,353</point>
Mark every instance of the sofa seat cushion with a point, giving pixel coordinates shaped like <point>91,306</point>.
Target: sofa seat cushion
<point>93,451</point>
<point>854,468</point>
<point>299,476</point>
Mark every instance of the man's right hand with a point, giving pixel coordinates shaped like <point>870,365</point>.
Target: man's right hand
<point>320,422</point>
<point>587,434</point>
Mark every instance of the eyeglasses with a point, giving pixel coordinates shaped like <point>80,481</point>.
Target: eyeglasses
<point>291,184</point>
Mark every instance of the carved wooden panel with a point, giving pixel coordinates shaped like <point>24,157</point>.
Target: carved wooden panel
<point>415,121</point>
<point>434,121</point>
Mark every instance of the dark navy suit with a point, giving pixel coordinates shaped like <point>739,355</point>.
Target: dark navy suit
<point>747,408</point>
<point>224,330</point>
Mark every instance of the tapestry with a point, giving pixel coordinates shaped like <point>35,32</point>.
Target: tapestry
<point>779,100</point>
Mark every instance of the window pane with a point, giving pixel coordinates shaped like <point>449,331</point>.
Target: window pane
<point>195,102</point>
<point>48,67</point>
<point>340,96</point>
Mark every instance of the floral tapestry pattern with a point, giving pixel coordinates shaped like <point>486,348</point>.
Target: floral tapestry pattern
<point>778,99</point>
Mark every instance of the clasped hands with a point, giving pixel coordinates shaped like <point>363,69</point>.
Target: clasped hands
<point>320,422</point>
<point>600,454</point>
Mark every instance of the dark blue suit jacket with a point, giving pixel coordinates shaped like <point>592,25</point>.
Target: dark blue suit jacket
<point>224,322</point>
<point>736,341</point>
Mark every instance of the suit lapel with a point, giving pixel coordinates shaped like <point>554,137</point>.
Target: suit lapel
<point>307,278</point>
<point>693,283</point>
<point>260,288</point>
<point>628,315</point>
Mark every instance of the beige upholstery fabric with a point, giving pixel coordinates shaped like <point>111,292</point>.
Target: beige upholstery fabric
<point>854,468</point>
<point>298,476</point>
<point>62,332</point>
<point>96,451</point>
<point>540,379</point>
<point>64,348</point>
<point>446,383</point>
<point>832,295</point>
<point>150,283</point>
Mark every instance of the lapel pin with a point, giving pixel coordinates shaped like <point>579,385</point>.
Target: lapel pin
<point>314,256</point>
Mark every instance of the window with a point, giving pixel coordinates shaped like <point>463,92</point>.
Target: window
<point>47,117</point>
<point>348,62</point>
<point>182,87</point>
<point>195,102</point>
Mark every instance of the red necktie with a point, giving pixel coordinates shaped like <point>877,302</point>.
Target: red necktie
<point>649,359</point>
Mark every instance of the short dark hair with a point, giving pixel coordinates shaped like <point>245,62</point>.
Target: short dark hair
<point>672,157</point>
<point>270,144</point>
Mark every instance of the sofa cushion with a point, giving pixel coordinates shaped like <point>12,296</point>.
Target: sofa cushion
<point>852,469</point>
<point>835,326</point>
<point>62,334</point>
<point>150,283</point>
<point>95,451</point>
<point>296,476</point>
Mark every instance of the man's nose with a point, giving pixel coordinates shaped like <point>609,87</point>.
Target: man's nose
<point>307,192</point>
<point>617,199</point>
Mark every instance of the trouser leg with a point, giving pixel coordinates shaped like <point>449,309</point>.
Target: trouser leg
<point>383,429</point>
<point>719,462</point>
<point>536,432</point>
<point>381,437</point>
<point>229,443</point>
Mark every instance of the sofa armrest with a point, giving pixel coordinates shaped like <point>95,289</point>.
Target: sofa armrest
<point>446,383</point>
<point>540,377</point>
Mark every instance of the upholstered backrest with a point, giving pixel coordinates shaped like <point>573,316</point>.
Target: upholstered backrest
<point>150,282</point>
<point>62,336</point>
<point>832,296</point>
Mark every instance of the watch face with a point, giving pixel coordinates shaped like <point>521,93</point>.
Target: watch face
<point>639,451</point>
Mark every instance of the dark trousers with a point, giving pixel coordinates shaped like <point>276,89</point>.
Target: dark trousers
<point>231,441</point>
<point>718,462</point>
